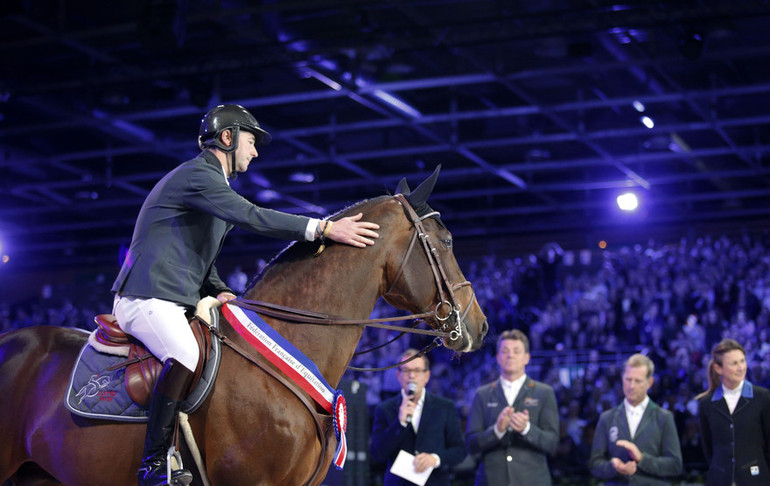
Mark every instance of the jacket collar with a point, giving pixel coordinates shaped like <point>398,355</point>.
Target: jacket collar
<point>746,392</point>
<point>620,410</point>
<point>210,158</point>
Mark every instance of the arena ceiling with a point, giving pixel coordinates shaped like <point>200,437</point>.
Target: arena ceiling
<point>531,107</point>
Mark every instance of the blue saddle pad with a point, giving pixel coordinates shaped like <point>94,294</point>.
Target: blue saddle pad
<point>96,392</point>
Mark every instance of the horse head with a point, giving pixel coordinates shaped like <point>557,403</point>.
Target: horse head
<point>428,277</point>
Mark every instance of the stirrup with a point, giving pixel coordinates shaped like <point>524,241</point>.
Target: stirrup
<point>179,476</point>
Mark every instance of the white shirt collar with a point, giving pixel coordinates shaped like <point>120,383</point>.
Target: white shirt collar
<point>732,396</point>
<point>735,391</point>
<point>511,388</point>
<point>515,384</point>
<point>225,174</point>
<point>639,408</point>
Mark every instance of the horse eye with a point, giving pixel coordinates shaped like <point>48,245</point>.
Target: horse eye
<point>447,244</point>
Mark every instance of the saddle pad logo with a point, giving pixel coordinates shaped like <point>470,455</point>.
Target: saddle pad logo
<point>96,386</point>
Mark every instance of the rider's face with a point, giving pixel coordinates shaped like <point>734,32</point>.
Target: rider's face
<point>246,151</point>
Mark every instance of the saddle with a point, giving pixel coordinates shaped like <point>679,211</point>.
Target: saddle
<point>142,367</point>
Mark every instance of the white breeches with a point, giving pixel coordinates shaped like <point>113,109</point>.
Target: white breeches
<point>160,325</point>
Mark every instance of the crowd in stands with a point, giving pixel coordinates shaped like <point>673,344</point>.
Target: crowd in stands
<point>585,312</point>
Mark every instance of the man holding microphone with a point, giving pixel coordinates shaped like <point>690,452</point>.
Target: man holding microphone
<point>420,423</point>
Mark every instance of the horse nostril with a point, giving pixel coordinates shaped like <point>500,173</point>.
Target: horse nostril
<point>484,328</point>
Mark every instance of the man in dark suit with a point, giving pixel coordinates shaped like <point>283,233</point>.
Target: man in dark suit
<point>636,442</point>
<point>420,423</point>
<point>170,263</point>
<point>514,421</point>
<point>734,419</point>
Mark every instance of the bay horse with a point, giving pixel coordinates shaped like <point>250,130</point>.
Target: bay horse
<point>251,430</point>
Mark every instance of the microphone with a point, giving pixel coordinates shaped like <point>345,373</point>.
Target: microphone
<point>411,388</point>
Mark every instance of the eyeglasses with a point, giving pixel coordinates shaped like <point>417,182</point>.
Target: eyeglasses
<point>409,371</point>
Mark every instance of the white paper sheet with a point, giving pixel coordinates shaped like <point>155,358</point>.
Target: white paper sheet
<point>403,467</point>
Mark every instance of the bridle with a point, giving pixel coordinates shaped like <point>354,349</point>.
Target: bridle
<point>445,288</point>
<point>446,291</point>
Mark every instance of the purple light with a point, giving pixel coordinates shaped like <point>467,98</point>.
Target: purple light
<point>397,103</point>
<point>266,195</point>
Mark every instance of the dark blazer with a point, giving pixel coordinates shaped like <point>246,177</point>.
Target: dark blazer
<point>515,459</point>
<point>737,446</point>
<point>180,230</point>
<point>439,433</point>
<point>656,437</point>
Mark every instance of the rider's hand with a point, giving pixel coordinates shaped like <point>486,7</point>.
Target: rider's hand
<point>352,231</point>
<point>225,296</point>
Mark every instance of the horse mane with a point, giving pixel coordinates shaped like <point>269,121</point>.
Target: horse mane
<point>301,250</point>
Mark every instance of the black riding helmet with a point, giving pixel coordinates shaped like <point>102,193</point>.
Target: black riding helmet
<point>234,117</point>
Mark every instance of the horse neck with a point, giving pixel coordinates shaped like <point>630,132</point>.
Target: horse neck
<point>342,282</point>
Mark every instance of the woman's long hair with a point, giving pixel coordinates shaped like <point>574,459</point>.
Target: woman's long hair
<point>717,356</point>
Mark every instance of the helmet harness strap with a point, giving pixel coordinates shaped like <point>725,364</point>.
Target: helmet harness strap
<point>234,134</point>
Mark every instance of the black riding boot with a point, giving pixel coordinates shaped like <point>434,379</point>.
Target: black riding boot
<point>164,405</point>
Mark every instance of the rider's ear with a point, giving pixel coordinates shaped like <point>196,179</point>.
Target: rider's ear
<point>227,137</point>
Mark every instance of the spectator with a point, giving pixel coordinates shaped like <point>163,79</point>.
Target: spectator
<point>734,421</point>
<point>636,442</point>
<point>514,421</point>
<point>420,423</point>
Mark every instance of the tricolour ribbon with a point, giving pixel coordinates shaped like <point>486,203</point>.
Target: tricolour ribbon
<point>294,364</point>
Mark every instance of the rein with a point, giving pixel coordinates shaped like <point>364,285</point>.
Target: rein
<point>439,275</point>
<point>444,287</point>
<point>309,317</point>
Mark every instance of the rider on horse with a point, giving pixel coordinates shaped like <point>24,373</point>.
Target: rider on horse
<point>170,263</point>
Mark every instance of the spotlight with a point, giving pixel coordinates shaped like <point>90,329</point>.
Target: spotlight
<point>628,201</point>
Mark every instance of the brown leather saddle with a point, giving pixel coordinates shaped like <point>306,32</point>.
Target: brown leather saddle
<point>142,367</point>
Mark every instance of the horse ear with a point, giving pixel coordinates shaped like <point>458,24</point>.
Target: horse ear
<point>403,187</point>
<point>419,196</point>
